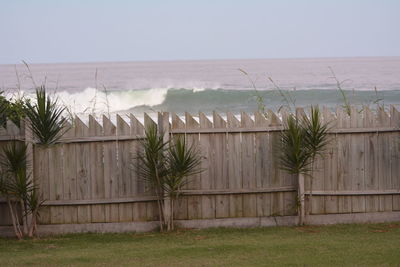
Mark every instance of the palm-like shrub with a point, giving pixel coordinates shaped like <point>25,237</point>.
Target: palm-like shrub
<point>315,132</point>
<point>316,137</point>
<point>303,140</point>
<point>152,166</point>
<point>295,152</point>
<point>166,166</point>
<point>45,117</point>
<point>183,161</point>
<point>19,190</point>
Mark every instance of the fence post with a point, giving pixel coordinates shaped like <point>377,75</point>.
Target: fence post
<point>163,129</point>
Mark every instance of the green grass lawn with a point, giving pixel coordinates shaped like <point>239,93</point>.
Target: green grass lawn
<point>357,244</point>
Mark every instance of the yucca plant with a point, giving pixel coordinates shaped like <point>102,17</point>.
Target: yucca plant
<point>34,202</point>
<point>295,154</point>
<point>166,166</point>
<point>316,138</point>
<point>303,140</point>
<point>46,118</point>
<point>183,161</point>
<point>152,166</point>
<point>19,190</point>
<point>5,184</point>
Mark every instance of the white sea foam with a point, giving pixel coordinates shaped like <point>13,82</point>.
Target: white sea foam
<point>99,101</point>
<point>195,90</point>
<point>93,100</point>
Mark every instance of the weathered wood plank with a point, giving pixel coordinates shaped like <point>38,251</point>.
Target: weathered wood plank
<point>83,172</point>
<point>344,178</point>
<point>234,167</point>
<point>207,202</point>
<point>5,218</point>
<point>41,176</point>
<point>275,145</point>
<point>395,155</point>
<point>69,177</point>
<point>384,166</point>
<point>248,167</point>
<point>371,162</point>
<point>262,163</point>
<point>56,190</point>
<point>12,130</point>
<point>124,159</point>
<point>138,184</point>
<point>357,157</point>
<point>110,171</point>
<point>330,159</point>
<point>220,166</point>
<point>96,171</point>
<point>194,202</point>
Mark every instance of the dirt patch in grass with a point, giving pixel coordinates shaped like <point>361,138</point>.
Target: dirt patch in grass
<point>383,228</point>
<point>308,229</point>
<point>200,237</point>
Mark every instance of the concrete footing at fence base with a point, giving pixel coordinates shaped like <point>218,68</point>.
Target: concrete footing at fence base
<point>55,229</point>
<point>373,217</point>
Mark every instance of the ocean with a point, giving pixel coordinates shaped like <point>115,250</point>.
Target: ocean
<point>208,85</point>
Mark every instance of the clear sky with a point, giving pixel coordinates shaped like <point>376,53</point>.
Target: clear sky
<point>40,31</point>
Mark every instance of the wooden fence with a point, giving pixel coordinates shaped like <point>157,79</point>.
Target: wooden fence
<point>90,176</point>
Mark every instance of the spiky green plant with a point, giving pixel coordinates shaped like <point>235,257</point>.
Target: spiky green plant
<point>34,201</point>
<point>303,140</point>
<point>295,157</point>
<point>13,158</point>
<point>166,166</point>
<point>316,138</point>
<point>18,188</point>
<point>183,161</point>
<point>295,154</point>
<point>46,120</point>
<point>152,166</point>
<point>316,132</point>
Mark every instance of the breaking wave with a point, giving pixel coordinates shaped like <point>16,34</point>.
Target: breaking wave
<point>193,100</point>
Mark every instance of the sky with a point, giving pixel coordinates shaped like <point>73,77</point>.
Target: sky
<point>40,31</point>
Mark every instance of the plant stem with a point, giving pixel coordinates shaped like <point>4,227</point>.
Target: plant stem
<point>17,231</point>
<point>301,198</point>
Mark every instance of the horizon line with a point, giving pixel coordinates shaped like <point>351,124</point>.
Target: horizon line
<point>189,60</point>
